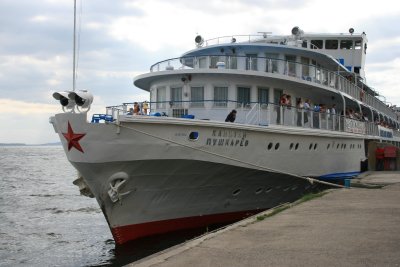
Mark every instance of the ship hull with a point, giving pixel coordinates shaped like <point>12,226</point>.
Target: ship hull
<point>150,177</point>
<point>170,195</point>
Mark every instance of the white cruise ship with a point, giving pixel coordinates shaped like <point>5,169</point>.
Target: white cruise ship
<point>177,161</point>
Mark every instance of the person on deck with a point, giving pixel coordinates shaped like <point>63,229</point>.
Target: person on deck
<point>231,116</point>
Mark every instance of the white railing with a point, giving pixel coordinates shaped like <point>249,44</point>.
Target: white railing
<point>255,114</point>
<point>304,72</point>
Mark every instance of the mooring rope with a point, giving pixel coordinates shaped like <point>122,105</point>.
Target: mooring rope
<point>309,179</point>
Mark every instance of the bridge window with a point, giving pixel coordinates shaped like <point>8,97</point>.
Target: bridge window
<point>331,44</point>
<point>202,62</point>
<point>271,62</point>
<point>251,61</point>
<point>291,65</point>
<point>305,69</point>
<point>346,44</point>
<point>357,44</point>
<point>316,44</point>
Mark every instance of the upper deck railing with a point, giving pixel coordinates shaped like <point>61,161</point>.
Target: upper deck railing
<point>313,74</point>
<point>261,114</point>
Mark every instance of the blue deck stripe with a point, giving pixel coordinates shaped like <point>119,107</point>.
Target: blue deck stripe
<point>339,175</point>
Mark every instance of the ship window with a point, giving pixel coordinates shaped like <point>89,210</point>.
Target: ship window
<point>346,44</point>
<point>331,44</point>
<point>286,188</point>
<point>304,44</point>
<point>337,146</point>
<point>315,146</point>
<point>263,95</point>
<point>214,60</point>
<point>311,145</point>
<point>305,69</point>
<point>291,65</point>
<point>276,146</point>
<point>316,44</point>
<point>176,96</point>
<point>357,70</point>
<point>291,146</point>
<point>220,96</point>
<point>259,190</point>
<point>232,62</point>
<point>251,61</point>
<point>197,96</point>
<point>243,96</point>
<point>268,189</point>
<point>202,62</point>
<point>357,44</point>
<point>270,146</point>
<point>271,62</point>
<point>296,147</point>
<point>329,145</point>
<point>161,97</point>
<point>194,136</point>
<point>236,192</point>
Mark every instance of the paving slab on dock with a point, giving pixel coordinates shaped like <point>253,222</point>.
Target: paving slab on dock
<point>346,227</point>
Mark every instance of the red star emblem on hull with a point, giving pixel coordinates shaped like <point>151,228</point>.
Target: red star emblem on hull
<point>73,139</point>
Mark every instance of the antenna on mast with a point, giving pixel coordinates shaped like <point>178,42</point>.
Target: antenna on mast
<point>74,50</point>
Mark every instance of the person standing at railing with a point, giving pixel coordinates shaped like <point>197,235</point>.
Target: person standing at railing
<point>136,108</point>
<point>281,109</point>
<point>145,107</point>
<point>231,116</point>
<point>299,107</point>
<point>307,108</point>
<point>333,114</point>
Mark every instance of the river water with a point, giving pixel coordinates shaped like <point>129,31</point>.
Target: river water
<point>44,221</point>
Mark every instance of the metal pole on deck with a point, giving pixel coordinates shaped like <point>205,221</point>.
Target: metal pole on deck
<point>74,50</point>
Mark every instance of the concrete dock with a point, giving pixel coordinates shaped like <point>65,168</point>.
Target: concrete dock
<point>346,227</point>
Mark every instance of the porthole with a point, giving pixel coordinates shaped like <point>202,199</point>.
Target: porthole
<point>315,146</point>
<point>268,189</point>
<point>286,188</point>
<point>297,146</point>
<point>194,136</point>
<point>276,146</point>
<point>311,145</point>
<point>291,146</point>
<point>259,190</point>
<point>269,146</point>
<point>236,192</point>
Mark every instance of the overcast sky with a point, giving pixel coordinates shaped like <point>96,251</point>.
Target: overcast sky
<point>123,38</point>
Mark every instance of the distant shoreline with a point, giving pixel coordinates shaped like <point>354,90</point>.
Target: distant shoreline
<point>23,144</point>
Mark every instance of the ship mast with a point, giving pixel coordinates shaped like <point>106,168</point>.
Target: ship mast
<point>74,50</point>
